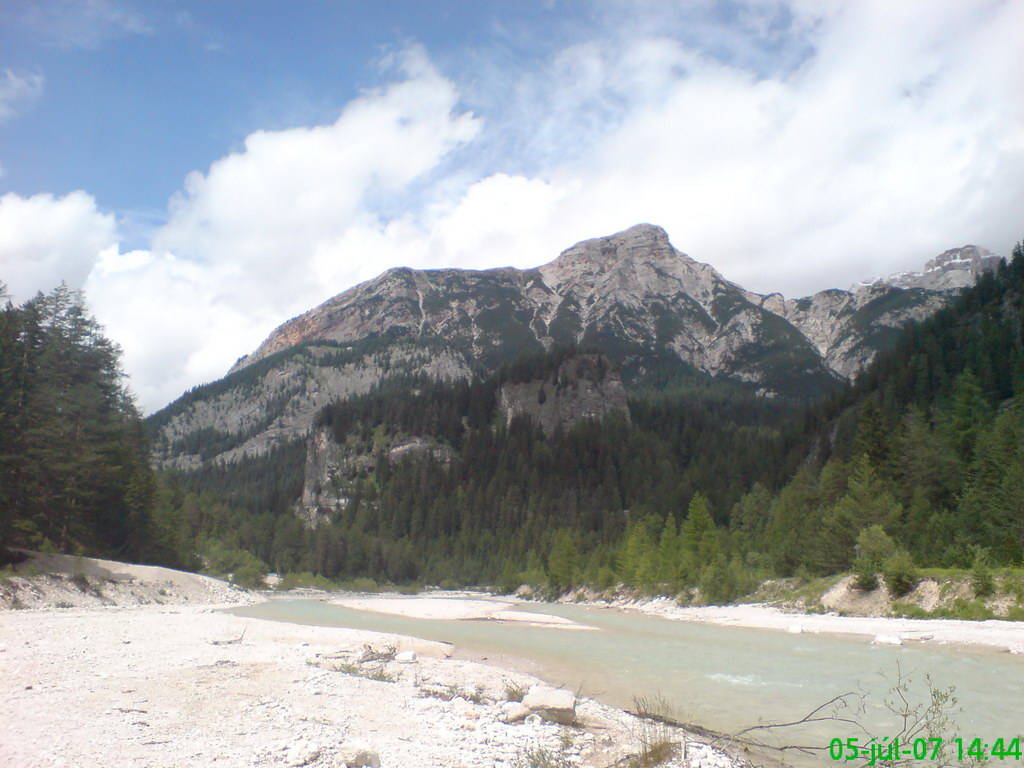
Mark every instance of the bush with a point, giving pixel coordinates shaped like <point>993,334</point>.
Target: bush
<point>982,581</point>
<point>305,580</point>
<point>901,574</point>
<point>874,548</point>
<point>250,574</point>
<point>1015,613</point>
<point>967,610</point>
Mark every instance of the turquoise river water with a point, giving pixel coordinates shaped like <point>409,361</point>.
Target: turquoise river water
<point>721,677</point>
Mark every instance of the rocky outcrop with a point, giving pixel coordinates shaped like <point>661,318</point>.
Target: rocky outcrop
<point>331,466</point>
<point>583,387</point>
<point>267,406</point>
<point>951,270</point>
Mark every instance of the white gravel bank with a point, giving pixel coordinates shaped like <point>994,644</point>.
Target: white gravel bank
<point>1005,635</point>
<point>158,686</point>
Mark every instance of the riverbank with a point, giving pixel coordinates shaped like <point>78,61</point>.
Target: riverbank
<point>171,685</point>
<point>1002,635</point>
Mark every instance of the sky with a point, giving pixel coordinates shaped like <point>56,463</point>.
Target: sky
<point>205,171</point>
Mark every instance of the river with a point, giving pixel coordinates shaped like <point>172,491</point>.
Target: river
<point>721,677</point>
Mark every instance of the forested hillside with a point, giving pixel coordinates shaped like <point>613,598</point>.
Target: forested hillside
<point>692,482</point>
<point>74,461</point>
<point>705,484</point>
<point>928,445</point>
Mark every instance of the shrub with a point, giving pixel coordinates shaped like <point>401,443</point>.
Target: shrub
<point>1013,584</point>
<point>874,548</point>
<point>982,581</point>
<point>1015,613</point>
<point>900,572</point>
<point>250,574</point>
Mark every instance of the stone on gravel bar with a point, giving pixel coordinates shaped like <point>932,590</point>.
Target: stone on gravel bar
<point>555,705</point>
<point>353,754</point>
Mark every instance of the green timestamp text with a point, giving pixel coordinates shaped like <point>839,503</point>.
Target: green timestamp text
<point>890,750</point>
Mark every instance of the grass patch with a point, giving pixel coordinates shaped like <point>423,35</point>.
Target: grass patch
<point>966,610</point>
<point>807,591</point>
<point>539,757</point>
<point>477,695</point>
<point>515,692</point>
<point>1015,613</point>
<point>655,733</point>
<point>939,574</point>
<point>378,673</point>
<point>653,755</point>
<point>1011,582</point>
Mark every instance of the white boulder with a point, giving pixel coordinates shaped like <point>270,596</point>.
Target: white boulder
<point>514,711</point>
<point>353,754</point>
<point>887,640</point>
<point>555,705</point>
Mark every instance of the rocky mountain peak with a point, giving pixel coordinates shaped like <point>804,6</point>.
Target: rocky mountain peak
<point>640,244</point>
<point>951,270</point>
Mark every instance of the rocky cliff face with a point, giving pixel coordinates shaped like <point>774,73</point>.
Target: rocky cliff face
<point>583,387</point>
<point>951,270</point>
<point>633,294</point>
<point>251,413</point>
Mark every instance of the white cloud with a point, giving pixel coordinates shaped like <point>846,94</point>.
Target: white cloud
<point>46,239</point>
<point>268,232</point>
<point>879,135</point>
<point>79,23</point>
<point>901,136</point>
<point>17,91</point>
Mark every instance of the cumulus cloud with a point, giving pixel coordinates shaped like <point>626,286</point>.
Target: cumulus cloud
<point>269,231</point>
<point>46,239</point>
<point>17,91</point>
<point>844,141</point>
<point>899,137</point>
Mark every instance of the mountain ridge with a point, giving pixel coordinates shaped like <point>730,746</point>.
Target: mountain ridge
<point>602,279</point>
<point>653,310</point>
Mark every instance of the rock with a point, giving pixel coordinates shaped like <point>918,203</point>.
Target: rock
<point>514,711</point>
<point>887,640</point>
<point>353,754</point>
<point>533,720</point>
<point>555,705</point>
<point>795,629</point>
<point>406,657</point>
<point>301,754</point>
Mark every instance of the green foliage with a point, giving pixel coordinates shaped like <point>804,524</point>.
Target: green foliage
<point>900,571</point>
<point>74,463</point>
<point>562,562</point>
<point>306,580</point>
<point>926,449</point>
<point>982,580</point>
<point>874,548</point>
<point>965,610</point>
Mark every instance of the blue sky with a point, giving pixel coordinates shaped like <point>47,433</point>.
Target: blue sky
<point>206,170</point>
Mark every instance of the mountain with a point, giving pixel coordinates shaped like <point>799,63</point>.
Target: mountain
<point>658,314</point>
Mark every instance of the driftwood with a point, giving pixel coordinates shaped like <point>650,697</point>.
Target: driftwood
<point>236,641</point>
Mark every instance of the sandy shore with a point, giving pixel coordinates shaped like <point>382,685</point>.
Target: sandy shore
<point>1004,635</point>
